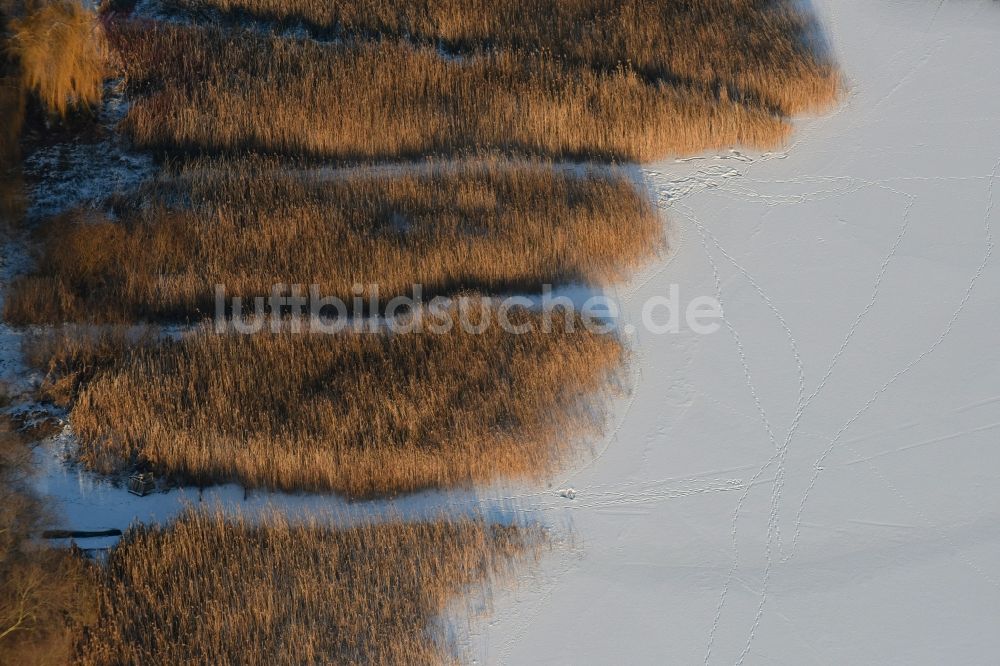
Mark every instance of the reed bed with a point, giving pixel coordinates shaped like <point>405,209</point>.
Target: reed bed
<point>759,49</point>
<point>205,90</point>
<point>361,413</point>
<point>208,589</point>
<point>489,226</point>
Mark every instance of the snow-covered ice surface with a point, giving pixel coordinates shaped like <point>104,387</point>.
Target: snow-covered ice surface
<point>853,391</point>
<point>85,170</point>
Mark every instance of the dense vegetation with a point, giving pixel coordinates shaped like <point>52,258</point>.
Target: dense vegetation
<point>214,590</point>
<point>357,412</point>
<point>489,226</point>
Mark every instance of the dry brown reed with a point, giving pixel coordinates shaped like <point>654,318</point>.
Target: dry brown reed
<point>60,48</point>
<point>758,49</point>
<point>208,90</point>
<point>361,413</point>
<point>488,226</point>
<point>208,589</point>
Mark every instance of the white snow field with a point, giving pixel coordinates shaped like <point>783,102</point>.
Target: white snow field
<point>853,391</point>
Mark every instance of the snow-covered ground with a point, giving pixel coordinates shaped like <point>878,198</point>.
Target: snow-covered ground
<point>854,390</point>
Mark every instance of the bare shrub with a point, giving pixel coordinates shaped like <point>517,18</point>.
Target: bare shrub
<point>46,594</point>
<point>60,48</point>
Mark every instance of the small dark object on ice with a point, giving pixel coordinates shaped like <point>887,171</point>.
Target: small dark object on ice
<point>141,484</point>
<point>78,534</point>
